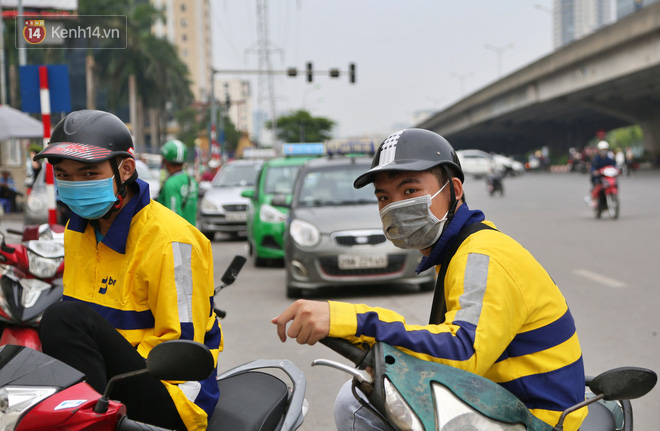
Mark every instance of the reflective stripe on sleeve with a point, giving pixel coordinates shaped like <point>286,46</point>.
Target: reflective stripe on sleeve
<point>183,280</point>
<point>474,288</point>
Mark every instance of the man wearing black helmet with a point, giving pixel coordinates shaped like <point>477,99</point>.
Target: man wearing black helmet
<point>496,312</point>
<point>136,274</point>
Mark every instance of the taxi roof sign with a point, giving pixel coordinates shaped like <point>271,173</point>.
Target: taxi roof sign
<point>350,146</point>
<point>303,149</point>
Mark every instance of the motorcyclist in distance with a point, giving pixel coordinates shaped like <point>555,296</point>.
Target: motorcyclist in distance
<point>601,160</point>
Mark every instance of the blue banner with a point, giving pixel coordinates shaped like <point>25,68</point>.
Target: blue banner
<point>58,85</point>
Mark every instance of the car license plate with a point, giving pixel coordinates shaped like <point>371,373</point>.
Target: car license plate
<point>349,261</point>
<point>235,216</point>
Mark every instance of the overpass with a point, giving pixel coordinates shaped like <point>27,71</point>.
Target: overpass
<point>607,80</point>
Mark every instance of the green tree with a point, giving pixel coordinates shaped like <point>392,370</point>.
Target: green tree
<point>623,137</point>
<point>300,126</point>
<point>149,73</point>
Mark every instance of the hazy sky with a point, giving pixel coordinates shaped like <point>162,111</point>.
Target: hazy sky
<point>412,56</point>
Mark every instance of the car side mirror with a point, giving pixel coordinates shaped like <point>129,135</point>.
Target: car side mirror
<point>281,201</point>
<point>248,193</point>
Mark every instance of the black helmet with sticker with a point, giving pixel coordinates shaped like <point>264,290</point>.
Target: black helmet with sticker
<point>412,150</point>
<point>89,136</point>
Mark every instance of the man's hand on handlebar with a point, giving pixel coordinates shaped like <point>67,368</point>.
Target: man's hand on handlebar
<point>310,321</point>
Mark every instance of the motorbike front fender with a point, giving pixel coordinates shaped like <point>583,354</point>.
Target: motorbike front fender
<point>21,336</point>
<point>412,377</point>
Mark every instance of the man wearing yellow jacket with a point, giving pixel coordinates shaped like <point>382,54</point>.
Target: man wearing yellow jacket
<point>496,312</point>
<point>136,274</point>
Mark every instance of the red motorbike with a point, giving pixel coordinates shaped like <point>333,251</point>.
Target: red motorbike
<point>606,192</point>
<point>31,281</point>
<point>38,392</point>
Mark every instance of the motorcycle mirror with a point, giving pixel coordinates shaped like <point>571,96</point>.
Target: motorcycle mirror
<point>625,383</point>
<point>232,270</point>
<point>180,360</point>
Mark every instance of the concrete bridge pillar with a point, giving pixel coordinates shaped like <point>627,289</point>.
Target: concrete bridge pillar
<point>651,139</point>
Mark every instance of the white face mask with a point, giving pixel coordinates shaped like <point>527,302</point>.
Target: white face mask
<point>410,224</point>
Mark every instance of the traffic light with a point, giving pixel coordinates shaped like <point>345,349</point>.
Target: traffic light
<point>292,71</point>
<point>334,73</point>
<point>351,73</point>
<point>227,101</point>
<point>310,73</point>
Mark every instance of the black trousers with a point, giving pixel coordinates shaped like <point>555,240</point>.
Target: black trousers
<point>77,335</point>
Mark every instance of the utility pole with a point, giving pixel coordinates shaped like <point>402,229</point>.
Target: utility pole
<point>266,92</point>
<point>22,52</point>
<point>3,85</point>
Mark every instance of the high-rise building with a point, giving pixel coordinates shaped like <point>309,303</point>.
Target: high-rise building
<point>574,19</point>
<point>626,7</point>
<point>187,25</point>
<point>235,98</point>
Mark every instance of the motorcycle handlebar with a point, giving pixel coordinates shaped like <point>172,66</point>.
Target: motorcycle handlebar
<point>347,349</point>
<point>126,424</point>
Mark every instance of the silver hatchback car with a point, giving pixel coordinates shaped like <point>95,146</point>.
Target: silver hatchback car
<point>334,236</point>
<point>222,208</point>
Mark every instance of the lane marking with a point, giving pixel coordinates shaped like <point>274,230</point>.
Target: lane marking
<point>610,282</point>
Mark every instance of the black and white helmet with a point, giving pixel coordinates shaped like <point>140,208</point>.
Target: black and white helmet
<point>412,150</point>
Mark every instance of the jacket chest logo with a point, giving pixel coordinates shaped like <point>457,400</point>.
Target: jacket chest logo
<point>108,281</point>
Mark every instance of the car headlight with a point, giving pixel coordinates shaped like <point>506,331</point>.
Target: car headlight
<point>208,205</point>
<point>304,233</point>
<point>43,267</point>
<point>455,415</point>
<point>398,410</point>
<point>15,400</point>
<point>269,214</point>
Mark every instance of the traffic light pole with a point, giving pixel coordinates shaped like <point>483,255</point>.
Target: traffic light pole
<point>293,72</point>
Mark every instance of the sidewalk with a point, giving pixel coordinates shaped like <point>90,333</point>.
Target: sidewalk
<point>11,221</point>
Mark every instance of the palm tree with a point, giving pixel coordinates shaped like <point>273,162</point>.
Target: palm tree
<point>148,73</point>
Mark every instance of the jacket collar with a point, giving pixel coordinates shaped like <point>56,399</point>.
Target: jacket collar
<point>464,216</point>
<point>118,232</point>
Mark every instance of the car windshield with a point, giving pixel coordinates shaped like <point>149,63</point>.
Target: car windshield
<point>334,186</point>
<point>280,179</point>
<point>233,175</point>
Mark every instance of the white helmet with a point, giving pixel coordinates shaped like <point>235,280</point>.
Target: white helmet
<point>603,145</point>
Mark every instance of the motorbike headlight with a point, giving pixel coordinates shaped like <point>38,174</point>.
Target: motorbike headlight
<point>43,267</point>
<point>455,415</point>
<point>32,288</point>
<point>15,400</point>
<point>398,410</point>
<point>305,234</point>
<point>269,214</point>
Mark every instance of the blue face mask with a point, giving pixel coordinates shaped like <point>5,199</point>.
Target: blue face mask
<point>88,199</point>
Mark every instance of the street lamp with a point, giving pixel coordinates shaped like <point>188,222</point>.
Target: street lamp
<point>462,78</point>
<point>499,50</point>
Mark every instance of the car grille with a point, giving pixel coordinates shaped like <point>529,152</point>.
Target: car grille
<point>330,266</point>
<point>357,239</point>
<point>241,207</point>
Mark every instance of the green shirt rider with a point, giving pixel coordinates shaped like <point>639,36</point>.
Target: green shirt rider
<point>179,191</point>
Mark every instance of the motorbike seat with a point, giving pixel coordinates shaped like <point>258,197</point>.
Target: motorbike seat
<point>600,418</point>
<point>252,401</point>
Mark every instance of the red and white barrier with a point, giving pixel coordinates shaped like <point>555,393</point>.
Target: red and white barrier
<point>44,94</point>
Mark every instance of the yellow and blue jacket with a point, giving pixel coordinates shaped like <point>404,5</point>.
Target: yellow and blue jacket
<point>151,277</point>
<point>506,320</point>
